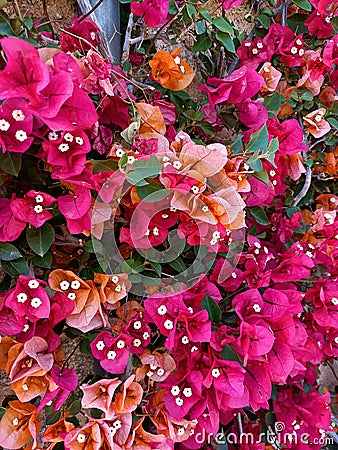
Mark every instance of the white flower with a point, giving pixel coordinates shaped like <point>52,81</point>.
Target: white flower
<point>100,345</point>
<point>36,302</point>
<point>162,310</point>
<point>33,284</point>
<point>64,285</point>
<point>18,115</point>
<point>120,344</point>
<point>38,209</point>
<point>4,125</point>
<point>175,390</point>
<point>22,297</point>
<point>215,373</point>
<point>168,324</point>
<point>111,355</point>
<point>75,284</point>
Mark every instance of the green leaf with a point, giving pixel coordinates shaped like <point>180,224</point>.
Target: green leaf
<point>191,11</point>
<point>262,176</point>
<point>333,122</point>
<point>200,27</point>
<point>264,21</point>
<point>269,154</point>
<point>45,262</point>
<point>172,7</point>
<point>237,145</point>
<point>40,239</point>
<point>11,163</point>
<point>272,102</point>
<point>223,25</point>
<point>207,128</point>
<point>258,140</point>
<point>151,194</point>
<point>259,214</point>
<point>229,354</point>
<point>142,169</point>
<point>202,44</point>
<point>8,252</point>
<point>303,4</point>
<point>227,41</point>
<point>102,166</point>
<point>214,311</point>
<point>16,267</point>
<point>2,412</point>
<point>178,265</point>
<point>204,13</point>
<point>254,162</point>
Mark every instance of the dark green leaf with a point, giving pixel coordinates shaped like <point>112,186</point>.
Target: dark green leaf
<point>262,176</point>
<point>11,163</point>
<point>214,311</point>
<point>207,128</point>
<point>142,169</point>
<point>40,239</point>
<point>259,214</point>
<point>151,194</point>
<point>303,4</point>
<point>102,166</point>
<point>264,21</point>
<point>202,44</point>
<point>43,261</point>
<point>237,145</point>
<point>191,11</point>
<point>16,267</point>
<point>229,354</point>
<point>204,13</point>
<point>8,252</point>
<point>272,102</point>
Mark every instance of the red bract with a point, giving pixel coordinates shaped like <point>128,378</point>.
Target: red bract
<point>16,125</point>
<point>241,85</point>
<point>10,226</point>
<point>28,299</point>
<point>111,351</point>
<point>319,25</point>
<point>67,153</point>
<point>82,34</point>
<point>75,207</point>
<point>154,12</point>
<point>31,208</point>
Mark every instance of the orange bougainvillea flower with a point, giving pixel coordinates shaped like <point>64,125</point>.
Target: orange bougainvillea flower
<point>316,124</point>
<point>129,397</point>
<point>19,425</point>
<point>112,288</point>
<point>55,432</point>
<point>170,70</point>
<point>152,121</point>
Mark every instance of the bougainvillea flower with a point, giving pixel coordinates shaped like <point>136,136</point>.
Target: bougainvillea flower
<point>55,432</point>
<point>318,25</point>
<point>241,85</point>
<point>75,207</point>
<point>157,366</point>
<point>61,383</point>
<point>289,134</point>
<point>18,79</point>
<point>252,114</point>
<point>83,28</point>
<point>228,4</point>
<point>154,12</point>
<point>94,435</point>
<point>100,395</point>
<point>129,397</point>
<point>31,209</point>
<point>87,313</point>
<point>19,425</point>
<point>293,53</point>
<point>29,359</point>
<point>10,226</point>
<point>16,125</point>
<point>29,299</point>
<point>254,52</point>
<point>316,124</point>
<point>113,288</point>
<point>111,351</point>
<point>170,70</point>
<point>67,153</point>
<point>271,77</point>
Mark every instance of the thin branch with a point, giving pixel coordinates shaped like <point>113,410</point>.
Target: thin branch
<point>127,43</point>
<point>90,11</point>
<point>285,5</point>
<point>305,188</point>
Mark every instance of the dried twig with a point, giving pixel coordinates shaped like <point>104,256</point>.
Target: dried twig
<point>127,43</point>
<point>285,5</point>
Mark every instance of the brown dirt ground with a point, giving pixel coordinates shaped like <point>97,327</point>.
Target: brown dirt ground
<point>56,10</point>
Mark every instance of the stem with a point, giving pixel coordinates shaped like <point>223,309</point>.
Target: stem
<point>285,5</point>
<point>90,11</point>
<point>127,43</point>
